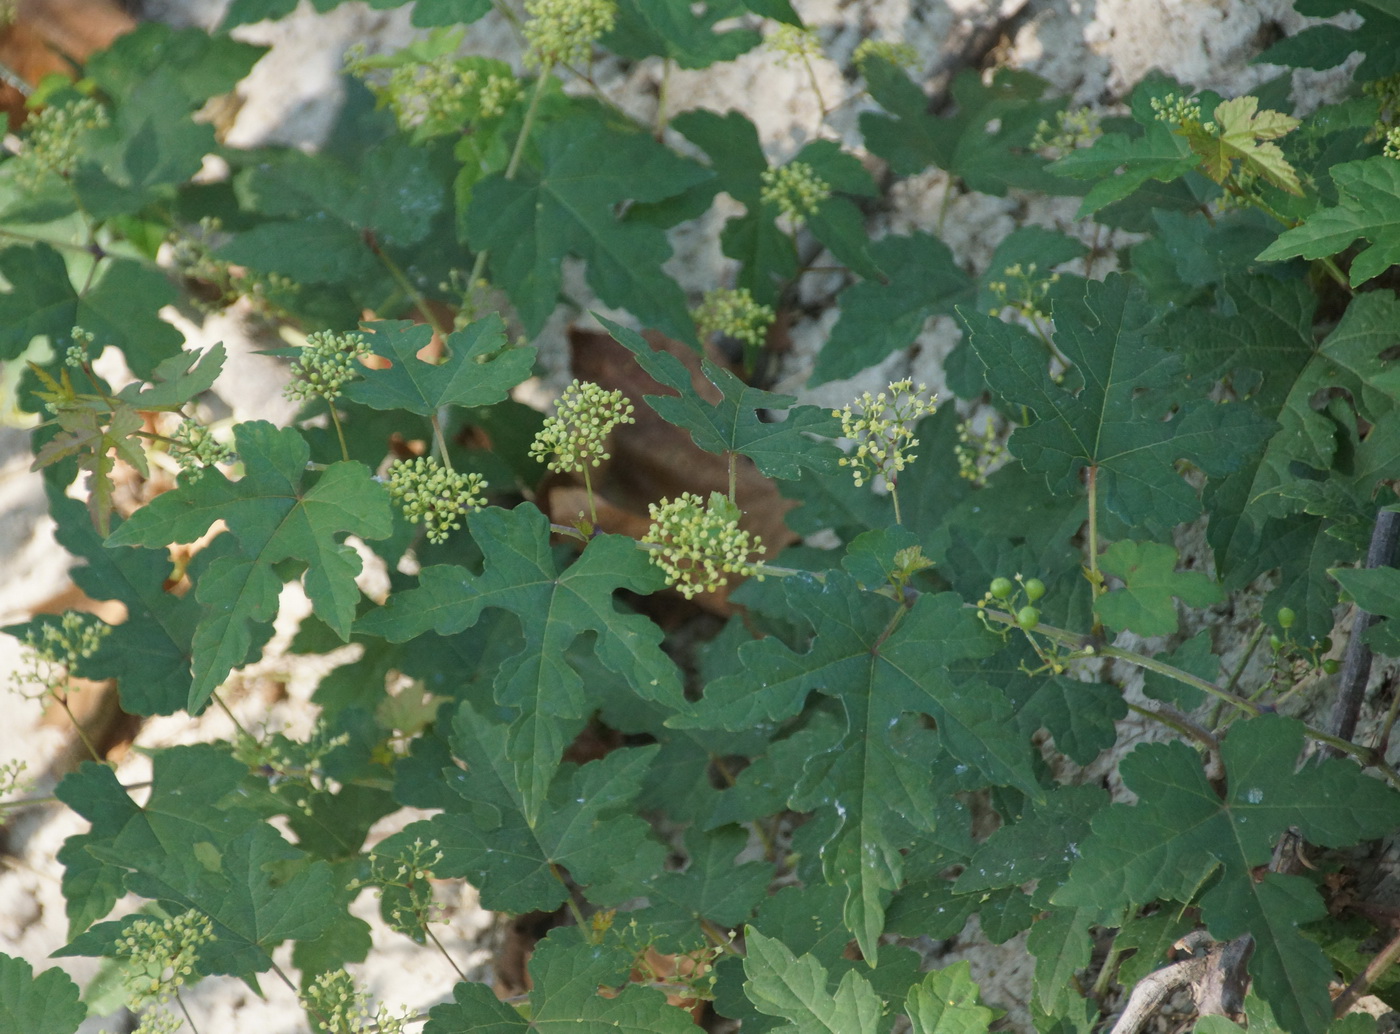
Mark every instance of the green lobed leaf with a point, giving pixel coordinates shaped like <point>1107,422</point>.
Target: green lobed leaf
<point>566,980</point>
<point>1114,423</point>
<point>878,318</point>
<point>1181,830</point>
<point>480,369</point>
<point>1119,164</point>
<point>569,206</point>
<point>555,608</point>
<point>1368,207</point>
<point>46,1004</point>
<point>911,139</point>
<point>947,1001</point>
<point>177,380</point>
<point>780,450</point>
<point>1144,603</point>
<point>710,888</point>
<point>118,307</point>
<point>678,30</point>
<point>273,518</point>
<point>795,989</point>
<point>586,825</point>
<point>866,772</point>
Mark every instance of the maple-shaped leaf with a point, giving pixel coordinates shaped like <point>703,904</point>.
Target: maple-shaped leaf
<point>779,449</point>
<point>567,976</point>
<point>880,318</point>
<point>985,143</point>
<point>1243,134</point>
<point>322,225</point>
<point>118,307</point>
<point>555,607</point>
<point>867,770</point>
<point>1144,603</point>
<point>569,206</point>
<point>1115,421</point>
<point>710,888</point>
<point>796,989</point>
<point>273,518</point>
<point>195,845</point>
<point>1080,716</point>
<point>586,825</point>
<point>46,1004</point>
<point>1368,205</point>
<point>1182,830</point>
<point>679,30</point>
<point>480,370</point>
<point>947,1001</point>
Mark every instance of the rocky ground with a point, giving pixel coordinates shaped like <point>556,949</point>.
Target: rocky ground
<point>1092,51</point>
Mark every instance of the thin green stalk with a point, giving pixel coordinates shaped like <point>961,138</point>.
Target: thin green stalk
<point>440,443</point>
<point>733,477</point>
<point>231,716</point>
<point>1186,728</point>
<point>1095,578</point>
<point>588,488</point>
<point>77,726</point>
<point>339,431</point>
<point>663,93</point>
<point>894,498</point>
<point>479,265</point>
<point>569,897</point>
<point>180,1001</point>
<point>450,961</point>
<point>420,302</point>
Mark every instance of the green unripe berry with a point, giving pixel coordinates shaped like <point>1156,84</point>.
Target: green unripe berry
<point>1028,618</point>
<point>1286,617</point>
<point>1326,645</point>
<point>1331,666</point>
<point>1035,589</point>
<point>1276,643</point>
<point>1001,588</point>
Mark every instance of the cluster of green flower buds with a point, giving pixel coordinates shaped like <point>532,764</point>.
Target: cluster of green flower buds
<point>1177,110</point>
<point>406,875</point>
<point>1390,146</point>
<point>328,361</point>
<point>51,140</point>
<point>574,438</point>
<point>196,449</point>
<point>793,43</point>
<point>978,452</point>
<point>901,54</point>
<point>160,955</point>
<point>734,313</point>
<point>79,351</point>
<point>796,190</point>
<point>882,427</point>
<point>1023,290</point>
<point>698,545</point>
<point>1072,128</point>
<point>53,651</point>
<point>563,31</point>
<point>344,1007</point>
<point>429,492</point>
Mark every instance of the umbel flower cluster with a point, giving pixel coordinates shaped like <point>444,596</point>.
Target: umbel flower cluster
<point>574,438</point>
<point>196,449</point>
<point>51,140</point>
<point>161,955</point>
<point>429,492</point>
<point>334,998</point>
<point>328,361</point>
<point>734,313</point>
<point>699,545</point>
<point>563,31</point>
<point>796,189</point>
<point>53,652</point>
<point>882,427</point>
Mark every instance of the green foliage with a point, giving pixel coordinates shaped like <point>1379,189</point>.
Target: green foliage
<point>1214,424</point>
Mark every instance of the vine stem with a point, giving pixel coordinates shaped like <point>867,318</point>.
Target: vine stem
<point>1366,978</point>
<point>1088,644</point>
<point>1095,578</point>
<point>416,296</point>
<point>339,431</point>
<point>479,264</point>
